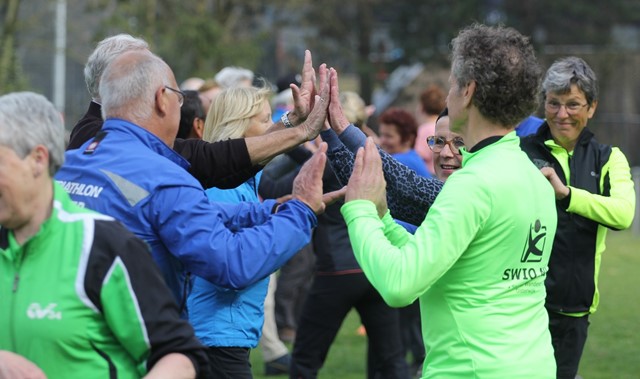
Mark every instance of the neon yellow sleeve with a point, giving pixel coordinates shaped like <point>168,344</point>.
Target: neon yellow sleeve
<point>615,211</point>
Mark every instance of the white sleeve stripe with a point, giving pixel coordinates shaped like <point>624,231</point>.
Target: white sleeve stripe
<point>118,262</point>
<point>87,243</point>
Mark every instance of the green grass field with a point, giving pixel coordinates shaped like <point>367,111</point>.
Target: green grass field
<point>613,347</point>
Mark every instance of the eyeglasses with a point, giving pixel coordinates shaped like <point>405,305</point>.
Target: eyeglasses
<point>570,107</point>
<point>436,144</point>
<point>179,93</point>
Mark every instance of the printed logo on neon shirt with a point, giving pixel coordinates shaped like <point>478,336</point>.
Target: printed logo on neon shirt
<point>534,246</point>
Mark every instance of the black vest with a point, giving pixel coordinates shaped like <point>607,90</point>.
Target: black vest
<point>570,281</point>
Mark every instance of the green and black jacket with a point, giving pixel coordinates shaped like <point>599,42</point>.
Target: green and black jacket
<point>602,197</point>
<point>84,299</point>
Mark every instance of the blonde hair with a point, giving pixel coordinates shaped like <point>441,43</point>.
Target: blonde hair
<point>232,110</point>
<point>354,108</point>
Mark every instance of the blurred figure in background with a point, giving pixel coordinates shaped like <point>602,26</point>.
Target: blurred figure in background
<point>398,131</point>
<point>233,76</point>
<point>357,112</point>
<point>192,116</point>
<point>191,84</point>
<point>529,126</point>
<point>208,92</point>
<point>431,103</point>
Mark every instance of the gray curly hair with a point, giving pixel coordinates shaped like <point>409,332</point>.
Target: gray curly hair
<point>503,64</point>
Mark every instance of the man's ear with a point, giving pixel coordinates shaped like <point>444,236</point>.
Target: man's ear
<point>161,103</point>
<point>469,91</point>
<point>39,160</point>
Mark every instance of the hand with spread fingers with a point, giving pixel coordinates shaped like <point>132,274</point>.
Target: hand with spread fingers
<point>367,180</point>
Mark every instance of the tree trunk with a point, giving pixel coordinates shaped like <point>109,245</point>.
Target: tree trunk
<point>7,48</point>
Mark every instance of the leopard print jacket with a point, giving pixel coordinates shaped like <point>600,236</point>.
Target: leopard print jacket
<point>409,195</point>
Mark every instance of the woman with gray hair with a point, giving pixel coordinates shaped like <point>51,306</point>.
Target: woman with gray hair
<point>83,296</point>
<point>594,192</point>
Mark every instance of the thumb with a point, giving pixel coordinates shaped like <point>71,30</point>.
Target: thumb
<point>333,196</point>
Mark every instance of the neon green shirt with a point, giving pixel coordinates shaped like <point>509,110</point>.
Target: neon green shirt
<point>477,264</point>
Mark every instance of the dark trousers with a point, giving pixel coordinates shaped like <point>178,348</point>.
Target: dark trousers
<point>229,362</point>
<point>328,303</point>
<point>294,282</point>
<point>568,336</point>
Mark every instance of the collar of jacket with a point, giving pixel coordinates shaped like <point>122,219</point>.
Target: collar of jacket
<point>148,139</point>
<point>544,134</point>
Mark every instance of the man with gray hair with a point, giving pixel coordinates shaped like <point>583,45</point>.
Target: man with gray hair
<point>479,259</point>
<point>223,164</point>
<point>84,298</point>
<point>130,172</point>
<point>104,53</point>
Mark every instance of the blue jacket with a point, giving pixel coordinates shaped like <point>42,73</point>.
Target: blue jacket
<point>225,317</point>
<point>412,160</point>
<point>130,174</point>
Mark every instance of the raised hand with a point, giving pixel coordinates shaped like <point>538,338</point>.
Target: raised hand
<point>315,122</point>
<point>337,119</point>
<point>304,96</point>
<point>367,179</point>
<point>307,186</point>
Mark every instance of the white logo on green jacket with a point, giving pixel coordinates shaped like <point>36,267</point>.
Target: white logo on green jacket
<point>35,311</point>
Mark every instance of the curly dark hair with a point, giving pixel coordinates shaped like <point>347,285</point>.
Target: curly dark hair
<point>503,64</point>
<point>405,123</point>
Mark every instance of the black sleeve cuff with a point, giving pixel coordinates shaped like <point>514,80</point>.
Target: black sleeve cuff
<point>564,203</point>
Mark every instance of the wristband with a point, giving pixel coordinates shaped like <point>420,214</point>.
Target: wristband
<point>285,120</point>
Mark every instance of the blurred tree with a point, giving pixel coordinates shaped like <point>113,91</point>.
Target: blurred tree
<point>342,35</point>
<point>366,37</point>
<point>423,29</point>
<point>195,37</point>
<point>11,78</point>
<point>566,22</point>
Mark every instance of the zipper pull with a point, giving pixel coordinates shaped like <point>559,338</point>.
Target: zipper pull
<point>16,279</point>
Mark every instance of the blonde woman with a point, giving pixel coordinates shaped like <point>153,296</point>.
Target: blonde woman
<point>230,321</point>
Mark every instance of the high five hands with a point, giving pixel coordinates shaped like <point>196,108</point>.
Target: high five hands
<point>367,179</point>
<point>320,108</point>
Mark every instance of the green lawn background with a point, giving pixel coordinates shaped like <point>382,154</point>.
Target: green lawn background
<point>613,346</point>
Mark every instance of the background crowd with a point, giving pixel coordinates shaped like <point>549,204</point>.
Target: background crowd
<point>226,182</point>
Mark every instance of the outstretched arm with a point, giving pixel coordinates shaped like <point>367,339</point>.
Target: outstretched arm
<point>409,195</point>
<point>308,117</point>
